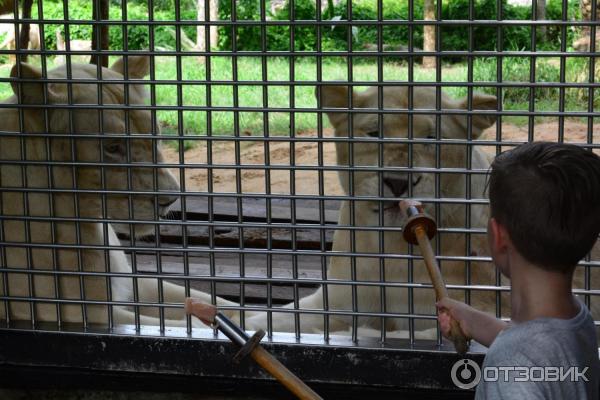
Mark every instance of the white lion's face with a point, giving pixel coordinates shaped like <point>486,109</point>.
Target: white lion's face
<point>120,153</point>
<point>382,169</point>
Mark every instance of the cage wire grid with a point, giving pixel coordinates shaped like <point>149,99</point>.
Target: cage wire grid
<point>257,263</point>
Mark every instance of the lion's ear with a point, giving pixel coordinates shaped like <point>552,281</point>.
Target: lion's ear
<point>484,102</point>
<point>335,97</point>
<point>27,92</point>
<point>137,66</point>
<point>479,122</point>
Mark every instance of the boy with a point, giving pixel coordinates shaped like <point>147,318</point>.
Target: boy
<point>545,217</point>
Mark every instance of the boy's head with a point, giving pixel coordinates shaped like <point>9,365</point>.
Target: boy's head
<point>547,197</point>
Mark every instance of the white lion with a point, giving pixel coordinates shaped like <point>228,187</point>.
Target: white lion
<point>363,218</point>
<point>61,149</point>
<point>368,268</point>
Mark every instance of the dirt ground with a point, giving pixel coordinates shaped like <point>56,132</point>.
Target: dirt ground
<point>306,154</point>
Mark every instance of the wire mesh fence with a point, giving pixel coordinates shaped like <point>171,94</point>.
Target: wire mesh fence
<point>261,171</point>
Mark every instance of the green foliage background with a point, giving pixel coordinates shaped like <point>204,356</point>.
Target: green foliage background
<point>516,70</point>
<point>138,33</point>
<point>453,37</point>
<point>304,37</point>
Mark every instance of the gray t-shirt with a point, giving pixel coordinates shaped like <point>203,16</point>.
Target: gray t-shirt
<point>547,344</point>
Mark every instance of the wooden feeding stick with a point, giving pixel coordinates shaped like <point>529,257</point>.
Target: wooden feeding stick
<point>209,314</point>
<point>419,229</point>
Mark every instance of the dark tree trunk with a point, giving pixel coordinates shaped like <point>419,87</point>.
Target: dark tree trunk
<point>541,15</point>
<point>7,6</point>
<point>100,33</point>
<point>24,33</point>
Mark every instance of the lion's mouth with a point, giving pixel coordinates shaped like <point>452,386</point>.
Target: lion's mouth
<point>164,213</point>
<point>392,205</point>
<point>389,206</point>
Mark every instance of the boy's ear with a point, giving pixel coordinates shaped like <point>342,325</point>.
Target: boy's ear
<point>498,236</point>
<point>500,246</point>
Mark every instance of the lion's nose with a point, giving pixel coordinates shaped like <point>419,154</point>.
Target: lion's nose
<point>398,186</point>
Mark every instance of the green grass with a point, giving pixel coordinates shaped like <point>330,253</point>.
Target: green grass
<point>304,69</point>
<point>5,89</point>
<point>253,94</point>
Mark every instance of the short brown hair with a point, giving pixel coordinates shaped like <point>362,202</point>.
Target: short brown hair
<point>547,196</point>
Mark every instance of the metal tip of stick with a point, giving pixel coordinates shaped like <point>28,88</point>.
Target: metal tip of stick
<point>205,312</point>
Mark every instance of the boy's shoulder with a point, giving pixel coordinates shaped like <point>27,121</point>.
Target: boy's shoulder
<point>547,345</point>
<point>523,344</point>
<point>547,340</point>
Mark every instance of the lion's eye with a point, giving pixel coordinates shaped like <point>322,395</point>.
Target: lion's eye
<point>114,149</point>
<point>374,134</point>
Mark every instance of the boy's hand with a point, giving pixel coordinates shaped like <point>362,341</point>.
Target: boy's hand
<point>449,309</point>
<point>475,324</point>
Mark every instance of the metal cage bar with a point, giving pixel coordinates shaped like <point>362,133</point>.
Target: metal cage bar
<point>241,173</point>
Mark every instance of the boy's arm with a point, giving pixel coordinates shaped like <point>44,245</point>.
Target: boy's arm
<point>474,323</point>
